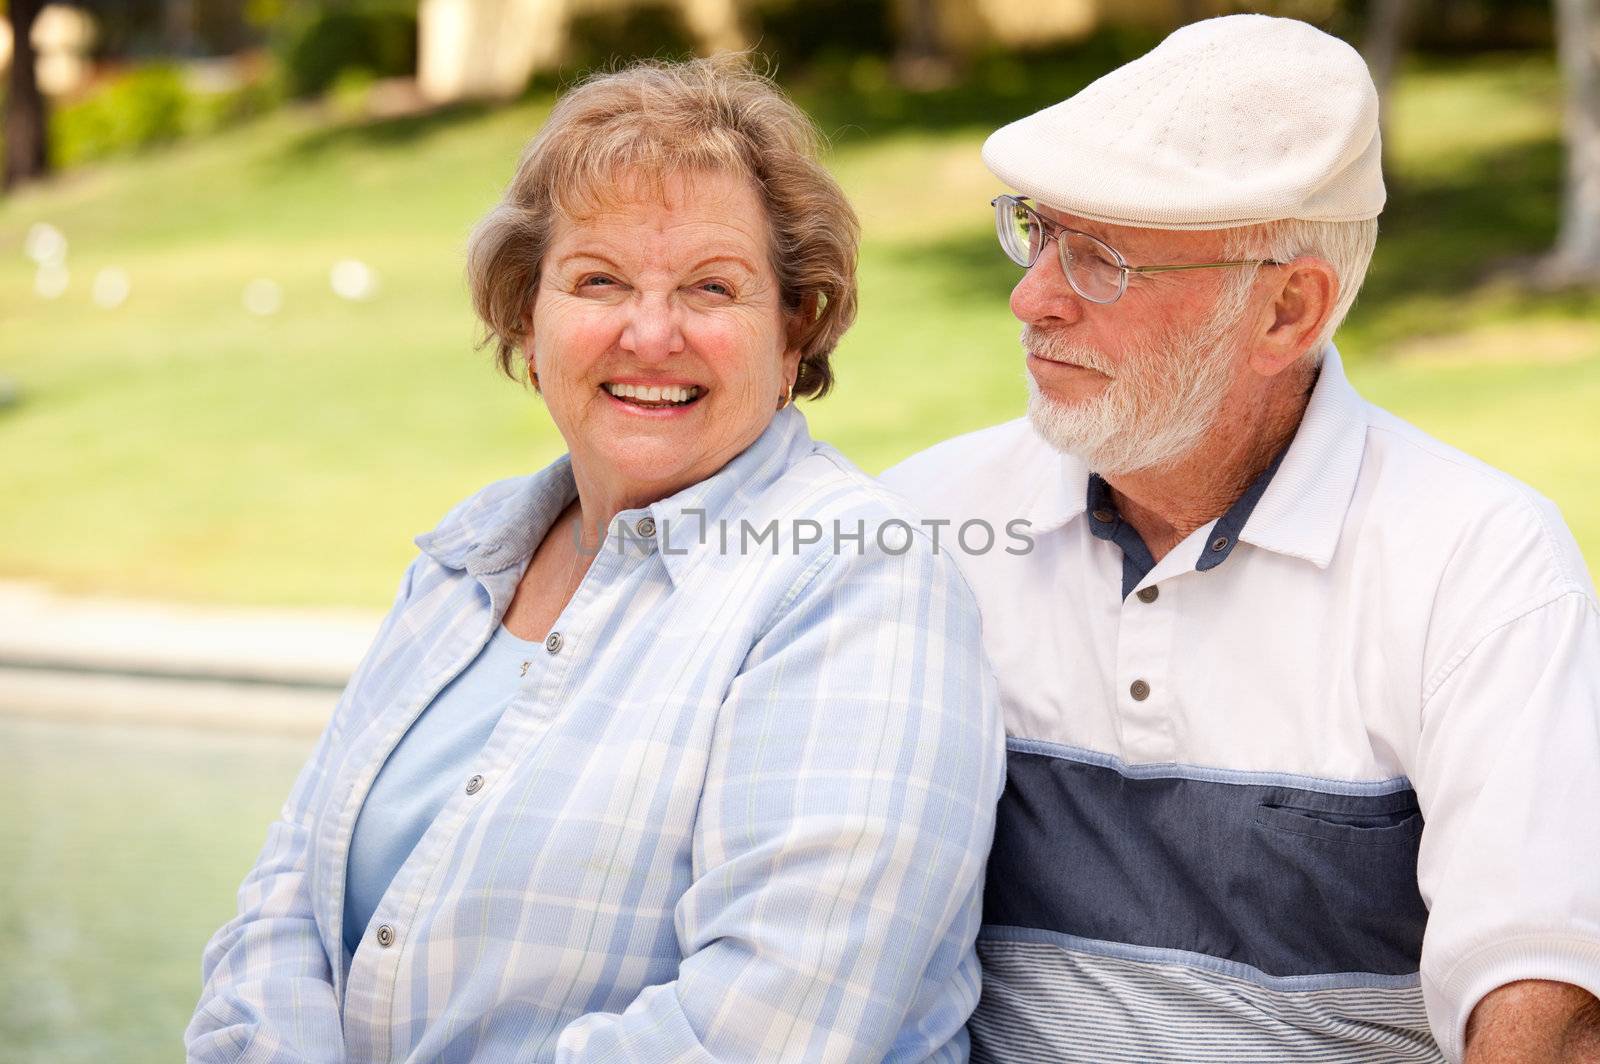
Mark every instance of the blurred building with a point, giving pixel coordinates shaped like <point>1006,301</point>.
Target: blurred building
<point>490,48</point>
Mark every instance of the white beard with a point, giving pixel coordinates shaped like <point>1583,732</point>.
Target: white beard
<point>1163,397</point>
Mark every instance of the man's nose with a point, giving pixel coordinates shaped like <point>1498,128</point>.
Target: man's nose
<point>1043,296</point>
<point>654,329</point>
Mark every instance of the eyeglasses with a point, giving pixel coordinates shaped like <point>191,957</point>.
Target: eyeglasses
<point>1094,269</point>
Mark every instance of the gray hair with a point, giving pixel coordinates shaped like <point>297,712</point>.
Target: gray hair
<point>1346,246</point>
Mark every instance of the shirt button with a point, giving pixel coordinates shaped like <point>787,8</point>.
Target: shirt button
<point>385,936</point>
<point>1219,544</point>
<point>1149,594</point>
<point>552,642</point>
<point>646,527</point>
<point>1139,690</point>
<point>475,784</point>
<point>1103,516</point>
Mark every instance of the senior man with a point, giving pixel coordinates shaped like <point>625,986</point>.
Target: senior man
<point>1303,705</point>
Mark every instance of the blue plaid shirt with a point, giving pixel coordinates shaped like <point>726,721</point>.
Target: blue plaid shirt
<point>740,812</point>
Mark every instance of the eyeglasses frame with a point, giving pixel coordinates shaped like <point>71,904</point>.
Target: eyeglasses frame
<point>1053,230</point>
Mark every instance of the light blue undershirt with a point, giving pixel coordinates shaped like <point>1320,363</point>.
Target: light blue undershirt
<point>432,760</point>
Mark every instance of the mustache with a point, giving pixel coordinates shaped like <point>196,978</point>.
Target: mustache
<point>1055,348</point>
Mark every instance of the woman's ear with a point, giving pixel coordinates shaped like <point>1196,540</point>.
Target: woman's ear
<point>526,346</point>
<point>796,327</point>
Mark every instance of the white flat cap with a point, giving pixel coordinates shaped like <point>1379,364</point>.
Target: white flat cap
<point>1227,122</point>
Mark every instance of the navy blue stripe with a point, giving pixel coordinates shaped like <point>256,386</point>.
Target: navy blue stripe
<point>1287,880</point>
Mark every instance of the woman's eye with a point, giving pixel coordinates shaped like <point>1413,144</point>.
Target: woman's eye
<point>716,288</point>
<point>597,280</point>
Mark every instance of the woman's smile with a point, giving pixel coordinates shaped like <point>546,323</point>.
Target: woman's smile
<point>653,398</point>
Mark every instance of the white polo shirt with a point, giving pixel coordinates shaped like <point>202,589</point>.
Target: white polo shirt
<point>1309,787</point>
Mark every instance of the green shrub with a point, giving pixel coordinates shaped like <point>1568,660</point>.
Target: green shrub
<point>150,105</point>
<point>799,32</point>
<point>147,105</point>
<point>607,37</point>
<point>377,41</point>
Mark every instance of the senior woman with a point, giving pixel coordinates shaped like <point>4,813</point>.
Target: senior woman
<point>680,749</point>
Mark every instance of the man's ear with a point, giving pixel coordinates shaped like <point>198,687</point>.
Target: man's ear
<point>1302,302</point>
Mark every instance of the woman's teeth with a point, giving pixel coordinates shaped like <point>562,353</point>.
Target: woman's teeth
<point>668,395</point>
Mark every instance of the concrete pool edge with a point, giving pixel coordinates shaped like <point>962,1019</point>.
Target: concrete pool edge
<point>97,659</point>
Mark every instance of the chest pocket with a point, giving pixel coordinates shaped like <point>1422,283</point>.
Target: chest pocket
<point>1286,880</point>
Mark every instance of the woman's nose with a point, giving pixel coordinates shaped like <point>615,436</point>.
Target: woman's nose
<point>654,329</point>
<point>1043,296</point>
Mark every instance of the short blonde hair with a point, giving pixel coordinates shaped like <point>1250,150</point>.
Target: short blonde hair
<point>657,120</point>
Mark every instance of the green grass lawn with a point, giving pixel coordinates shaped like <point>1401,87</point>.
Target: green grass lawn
<point>178,446</point>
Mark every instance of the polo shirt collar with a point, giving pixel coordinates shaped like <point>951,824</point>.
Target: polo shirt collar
<point>1296,507</point>
<point>1061,496</point>
<point>496,529</point>
<point>1303,509</point>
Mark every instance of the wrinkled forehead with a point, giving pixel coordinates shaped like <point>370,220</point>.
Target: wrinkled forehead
<point>614,190</point>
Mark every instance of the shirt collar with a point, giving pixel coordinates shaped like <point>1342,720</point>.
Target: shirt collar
<point>503,524</point>
<point>1303,509</point>
<point>1299,504</point>
<point>1062,495</point>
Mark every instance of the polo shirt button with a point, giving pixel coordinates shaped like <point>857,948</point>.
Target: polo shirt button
<point>1104,516</point>
<point>1219,544</point>
<point>475,784</point>
<point>552,642</point>
<point>1149,594</point>
<point>385,936</point>
<point>646,527</point>
<point>1139,690</point>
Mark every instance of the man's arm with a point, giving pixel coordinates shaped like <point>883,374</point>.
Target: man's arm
<point>1535,1022</point>
<point>1511,852</point>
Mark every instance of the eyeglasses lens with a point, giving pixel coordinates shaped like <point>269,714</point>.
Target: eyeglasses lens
<point>1020,235</point>
<point>1092,267</point>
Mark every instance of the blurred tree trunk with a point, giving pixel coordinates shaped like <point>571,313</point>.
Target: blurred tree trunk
<point>1576,257</point>
<point>1388,23</point>
<point>922,60</point>
<point>27,151</point>
<point>178,26</point>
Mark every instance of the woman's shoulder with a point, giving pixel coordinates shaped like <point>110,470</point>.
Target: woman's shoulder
<point>855,521</point>
<point>825,482</point>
